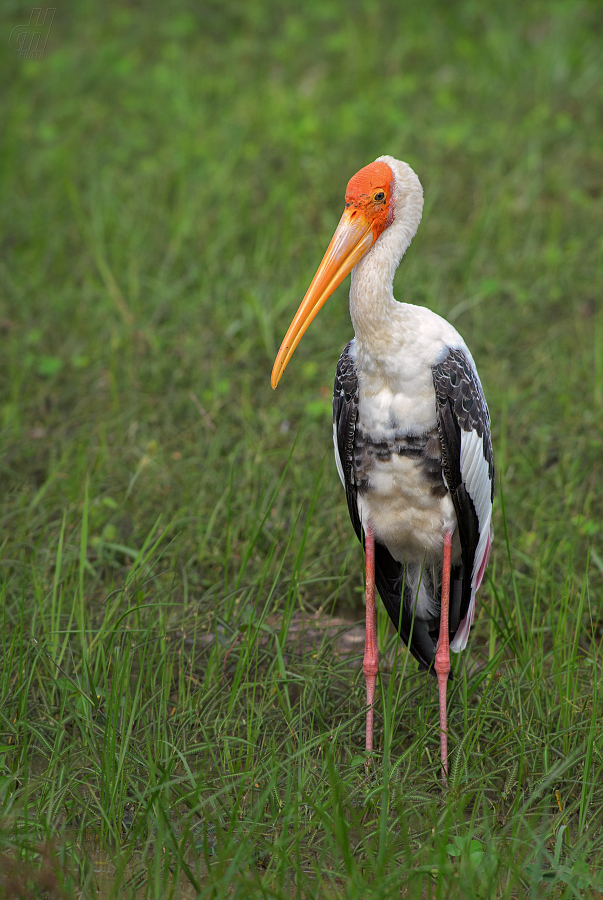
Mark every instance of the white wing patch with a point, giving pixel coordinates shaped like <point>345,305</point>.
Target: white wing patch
<point>337,459</point>
<point>475,473</point>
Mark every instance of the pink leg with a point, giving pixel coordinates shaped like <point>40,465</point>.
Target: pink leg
<point>370,666</point>
<point>442,658</point>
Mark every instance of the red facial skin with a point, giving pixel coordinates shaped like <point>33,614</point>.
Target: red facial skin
<point>363,192</point>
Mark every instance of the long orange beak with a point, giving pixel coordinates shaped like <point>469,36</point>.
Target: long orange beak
<point>352,238</point>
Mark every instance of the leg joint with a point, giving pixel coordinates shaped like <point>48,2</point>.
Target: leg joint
<point>370,668</point>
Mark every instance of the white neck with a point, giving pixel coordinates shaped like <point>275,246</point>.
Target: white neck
<point>373,309</point>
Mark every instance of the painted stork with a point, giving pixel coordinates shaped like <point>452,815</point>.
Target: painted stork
<point>411,431</point>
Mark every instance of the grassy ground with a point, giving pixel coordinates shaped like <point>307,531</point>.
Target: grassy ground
<point>170,177</point>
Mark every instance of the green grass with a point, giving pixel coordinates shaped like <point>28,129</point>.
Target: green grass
<point>170,177</point>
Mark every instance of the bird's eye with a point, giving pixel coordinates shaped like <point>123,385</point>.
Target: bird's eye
<point>379,197</point>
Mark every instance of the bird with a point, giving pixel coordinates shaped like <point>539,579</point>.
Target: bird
<point>411,433</point>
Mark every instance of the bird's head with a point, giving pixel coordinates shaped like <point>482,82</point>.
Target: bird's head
<point>371,202</point>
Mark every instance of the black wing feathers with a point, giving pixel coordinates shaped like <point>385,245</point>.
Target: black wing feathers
<point>459,391</point>
<point>345,413</point>
<point>461,405</point>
